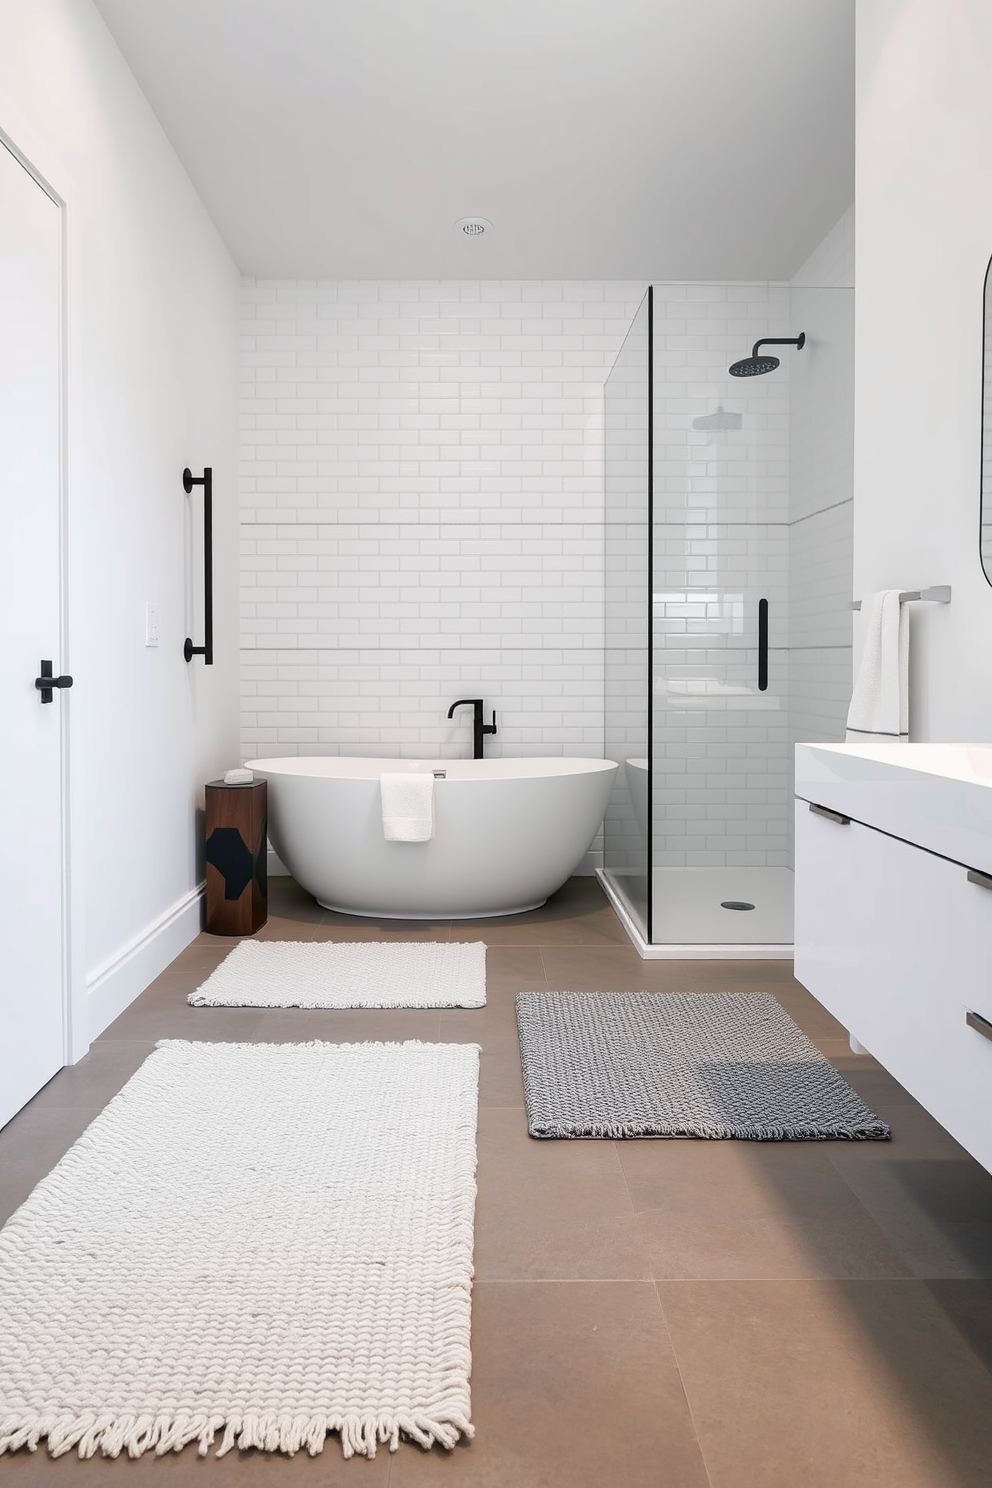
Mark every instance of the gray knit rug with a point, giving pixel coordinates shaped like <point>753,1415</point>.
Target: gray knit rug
<point>662,1064</point>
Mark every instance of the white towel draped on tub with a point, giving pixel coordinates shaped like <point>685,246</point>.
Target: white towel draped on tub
<point>880,704</point>
<point>407,806</point>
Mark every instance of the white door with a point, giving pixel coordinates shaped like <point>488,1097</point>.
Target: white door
<point>32,1037</point>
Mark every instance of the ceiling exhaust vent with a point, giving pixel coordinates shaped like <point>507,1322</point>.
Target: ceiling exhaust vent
<point>473,227</point>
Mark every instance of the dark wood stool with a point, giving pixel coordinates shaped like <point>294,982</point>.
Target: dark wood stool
<point>237,882</point>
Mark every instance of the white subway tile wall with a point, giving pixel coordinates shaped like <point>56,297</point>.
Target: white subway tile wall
<point>422,513</point>
<point>423,520</point>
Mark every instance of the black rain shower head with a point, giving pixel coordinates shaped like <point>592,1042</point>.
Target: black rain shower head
<point>755,365</point>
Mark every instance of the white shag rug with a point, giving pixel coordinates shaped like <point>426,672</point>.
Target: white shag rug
<point>266,1242</point>
<point>338,974</point>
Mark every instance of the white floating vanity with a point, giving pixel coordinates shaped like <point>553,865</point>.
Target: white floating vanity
<point>894,915</point>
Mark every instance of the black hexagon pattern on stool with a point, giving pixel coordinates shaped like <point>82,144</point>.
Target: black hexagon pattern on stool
<point>227,852</point>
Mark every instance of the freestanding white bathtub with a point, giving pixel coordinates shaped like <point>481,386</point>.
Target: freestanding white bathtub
<point>507,833</point>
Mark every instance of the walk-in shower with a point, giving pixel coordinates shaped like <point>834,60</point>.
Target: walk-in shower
<point>728,586</point>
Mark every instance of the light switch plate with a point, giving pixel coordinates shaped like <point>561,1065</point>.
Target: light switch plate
<point>151,624</point>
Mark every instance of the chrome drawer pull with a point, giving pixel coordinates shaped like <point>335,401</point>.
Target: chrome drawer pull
<point>843,821</point>
<point>983,880</point>
<point>979,1024</point>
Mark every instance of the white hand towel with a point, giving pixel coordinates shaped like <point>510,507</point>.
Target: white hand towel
<point>880,703</point>
<point>407,806</point>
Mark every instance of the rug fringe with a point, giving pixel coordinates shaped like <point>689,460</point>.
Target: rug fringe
<point>875,1131</point>
<point>360,1432</point>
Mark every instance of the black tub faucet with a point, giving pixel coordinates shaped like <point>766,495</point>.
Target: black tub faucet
<point>479,729</point>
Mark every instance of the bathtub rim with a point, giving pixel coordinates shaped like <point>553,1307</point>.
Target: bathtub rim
<point>371,767</point>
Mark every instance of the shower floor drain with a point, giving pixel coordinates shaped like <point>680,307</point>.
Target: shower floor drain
<point>735,904</point>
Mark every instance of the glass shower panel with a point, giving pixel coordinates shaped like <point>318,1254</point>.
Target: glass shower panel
<point>722,777</point>
<point>627,830</point>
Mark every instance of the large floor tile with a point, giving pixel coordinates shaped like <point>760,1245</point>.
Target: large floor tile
<point>32,1144</point>
<point>602,969</point>
<point>873,1083</point>
<point>348,1025</point>
<point>500,1078</point>
<point>289,901</point>
<point>498,1019</point>
<point>342,928</point>
<point>936,1211</point>
<point>578,914</point>
<point>822,1296</point>
<point>551,1210</point>
<point>303,931</point>
<point>511,968</point>
<point>810,1015</point>
<point>841,1384</point>
<point>915,1135</point>
<point>574,1385</point>
<point>618,968</point>
<point>96,1078</point>
<point>752,1209</point>
<point>42,1134</point>
<point>521,930</point>
<point>17,1179</point>
<point>177,1020</point>
<point>205,950</point>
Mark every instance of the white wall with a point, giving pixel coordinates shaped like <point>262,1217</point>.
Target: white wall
<point>422,505</point>
<point>924,236</point>
<point>821,497</point>
<point>831,264</point>
<point>152,387</point>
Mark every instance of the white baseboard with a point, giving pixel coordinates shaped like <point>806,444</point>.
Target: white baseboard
<point>112,987</point>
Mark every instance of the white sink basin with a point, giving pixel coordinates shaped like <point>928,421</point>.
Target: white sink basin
<point>938,796</point>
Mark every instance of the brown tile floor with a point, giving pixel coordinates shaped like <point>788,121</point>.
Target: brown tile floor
<point>647,1314</point>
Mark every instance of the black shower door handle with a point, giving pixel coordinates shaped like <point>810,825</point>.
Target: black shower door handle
<point>206,481</point>
<point>46,682</point>
<point>762,645</point>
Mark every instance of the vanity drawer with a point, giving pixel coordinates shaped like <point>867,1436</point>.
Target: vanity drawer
<point>897,943</point>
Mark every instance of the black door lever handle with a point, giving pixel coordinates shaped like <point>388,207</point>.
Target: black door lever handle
<point>46,682</point>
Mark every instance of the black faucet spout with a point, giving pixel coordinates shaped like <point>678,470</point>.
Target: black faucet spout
<point>479,728</point>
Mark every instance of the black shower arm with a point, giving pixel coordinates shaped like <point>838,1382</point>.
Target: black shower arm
<point>799,341</point>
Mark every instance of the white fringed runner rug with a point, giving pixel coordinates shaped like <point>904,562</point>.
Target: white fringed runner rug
<point>339,974</point>
<point>263,1243</point>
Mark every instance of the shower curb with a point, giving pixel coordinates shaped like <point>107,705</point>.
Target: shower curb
<point>777,951</point>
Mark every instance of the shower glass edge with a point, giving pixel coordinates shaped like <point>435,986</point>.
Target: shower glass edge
<point>628,541</point>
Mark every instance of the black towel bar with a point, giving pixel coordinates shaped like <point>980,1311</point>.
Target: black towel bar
<point>207,649</point>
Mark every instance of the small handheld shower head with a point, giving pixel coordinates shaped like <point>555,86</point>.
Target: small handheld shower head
<point>755,365</point>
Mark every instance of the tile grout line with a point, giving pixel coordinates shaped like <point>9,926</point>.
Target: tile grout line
<point>685,1389</point>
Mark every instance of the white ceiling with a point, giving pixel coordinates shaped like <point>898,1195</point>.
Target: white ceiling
<point>665,139</point>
